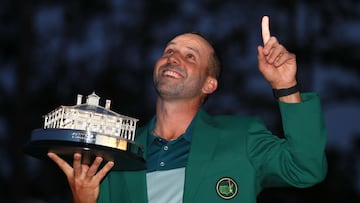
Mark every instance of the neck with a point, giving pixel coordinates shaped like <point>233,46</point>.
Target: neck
<point>173,118</point>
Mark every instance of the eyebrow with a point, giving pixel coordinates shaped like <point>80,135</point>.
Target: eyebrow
<point>191,48</point>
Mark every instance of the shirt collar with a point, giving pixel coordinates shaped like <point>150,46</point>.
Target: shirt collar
<point>186,135</point>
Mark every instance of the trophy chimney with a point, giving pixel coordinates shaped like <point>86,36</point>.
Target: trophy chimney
<point>107,104</point>
<point>79,99</point>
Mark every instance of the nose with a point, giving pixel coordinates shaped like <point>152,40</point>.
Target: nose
<point>173,58</point>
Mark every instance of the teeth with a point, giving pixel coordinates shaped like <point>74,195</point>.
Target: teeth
<point>171,74</point>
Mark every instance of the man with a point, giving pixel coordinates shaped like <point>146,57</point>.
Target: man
<point>194,157</point>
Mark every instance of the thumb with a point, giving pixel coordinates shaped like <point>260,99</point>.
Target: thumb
<point>261,55</point>
<point>262,62</point>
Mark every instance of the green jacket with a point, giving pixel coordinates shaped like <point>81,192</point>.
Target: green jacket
<point>232,158</point>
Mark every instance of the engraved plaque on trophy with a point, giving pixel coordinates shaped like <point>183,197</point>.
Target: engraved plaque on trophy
<point>92,130</point>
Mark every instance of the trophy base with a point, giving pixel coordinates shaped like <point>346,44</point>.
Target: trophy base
<point>124,160</point>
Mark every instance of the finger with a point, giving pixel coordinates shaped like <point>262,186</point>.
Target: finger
<point>63,165</point>
<point>271,45</point>
<point>102,172</point>
<point>283,59</point>
<point>265,30</point>
<point>77,164</point>
<point>94,167</point>
<point>275,53</point>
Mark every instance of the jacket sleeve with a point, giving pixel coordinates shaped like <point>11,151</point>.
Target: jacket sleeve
<point>298,159</point>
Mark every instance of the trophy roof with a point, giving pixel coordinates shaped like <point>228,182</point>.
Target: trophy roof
<point>92,105</point>
<point>92,108</point>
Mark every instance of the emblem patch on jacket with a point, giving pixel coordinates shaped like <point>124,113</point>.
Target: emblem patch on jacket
<point>226,188</point>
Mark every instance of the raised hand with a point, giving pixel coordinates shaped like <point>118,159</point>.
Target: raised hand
<point>84,180</point>
<point>277,65</point>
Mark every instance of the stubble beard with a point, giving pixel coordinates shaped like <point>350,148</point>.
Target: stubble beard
<point>177,90</point>
<point>168,90</point>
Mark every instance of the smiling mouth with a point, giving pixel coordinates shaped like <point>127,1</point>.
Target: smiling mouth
<point>172,74</point>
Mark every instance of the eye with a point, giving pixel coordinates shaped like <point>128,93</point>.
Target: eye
<point>168,52</point>
<point>190,56</point>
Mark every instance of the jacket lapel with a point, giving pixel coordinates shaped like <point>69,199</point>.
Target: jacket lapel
<point>203,143</point>
<point>136,180</point>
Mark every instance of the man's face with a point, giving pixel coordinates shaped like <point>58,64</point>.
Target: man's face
<point>181,71</point>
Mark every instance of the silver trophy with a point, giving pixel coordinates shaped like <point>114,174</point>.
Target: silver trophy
<point>92,130</point>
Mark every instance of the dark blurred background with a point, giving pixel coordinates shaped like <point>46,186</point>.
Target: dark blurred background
<point>50,51</point>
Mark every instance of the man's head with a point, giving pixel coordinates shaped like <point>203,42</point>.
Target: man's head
<point>188,68</point>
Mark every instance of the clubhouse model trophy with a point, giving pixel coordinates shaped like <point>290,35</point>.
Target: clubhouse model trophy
<point>92,130</point>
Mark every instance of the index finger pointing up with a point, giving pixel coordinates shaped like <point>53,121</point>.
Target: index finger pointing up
<point>265,30</point>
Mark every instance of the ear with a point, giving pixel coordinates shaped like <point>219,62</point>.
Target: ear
<point>210,85</point>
